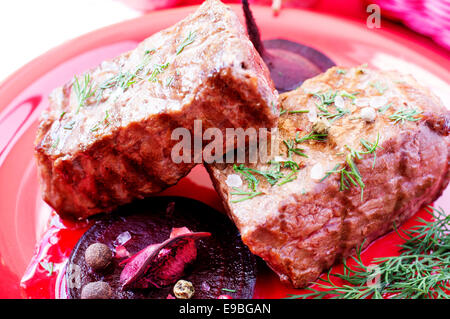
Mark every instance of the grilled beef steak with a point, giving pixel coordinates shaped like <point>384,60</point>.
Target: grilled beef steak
<point>106,137</point>
<point>369,150</point>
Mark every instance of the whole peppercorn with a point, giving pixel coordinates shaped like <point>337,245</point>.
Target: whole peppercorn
<point>183,289</point>
<point>96,290</point>
<point>321,126</point>
<point>98,256</point>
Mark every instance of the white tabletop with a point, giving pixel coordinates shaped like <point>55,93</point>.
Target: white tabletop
<point>29,28</point>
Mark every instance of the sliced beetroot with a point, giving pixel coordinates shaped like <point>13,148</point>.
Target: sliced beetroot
<point>290,63</point>
<point>159,237</point>
<point>159,265</point>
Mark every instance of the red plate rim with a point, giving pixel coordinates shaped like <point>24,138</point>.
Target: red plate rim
<point>24,76</point>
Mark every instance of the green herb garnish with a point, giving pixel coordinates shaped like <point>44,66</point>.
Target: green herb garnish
<point>379,87</point>
<point>247,194</point>
<point>48,266</point>
<point>83,90</point>
<point>328,98</point>
<point>349,173</point>
<point>421,271</point>
<point>105,120</point>
<point>405,115</point>
<point>158,68</point>
<point>310,136</point>
<point>228,290</point>
<point>385,108</point>
<point>188,40</point>
<point>291,148</point>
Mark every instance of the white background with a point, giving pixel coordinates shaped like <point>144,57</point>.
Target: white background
<point>29,28</point>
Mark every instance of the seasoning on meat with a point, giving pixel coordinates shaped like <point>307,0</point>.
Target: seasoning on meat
<point>373,175</point>
<point>106,137</point>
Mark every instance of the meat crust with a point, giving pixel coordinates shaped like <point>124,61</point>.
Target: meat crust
<point>106,137</point>
<point>304,226</point>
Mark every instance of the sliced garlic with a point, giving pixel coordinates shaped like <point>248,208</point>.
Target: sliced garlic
<point>234,180</point>
<point>378,101</point>
<point>368,114</point>
<point>317,172</point>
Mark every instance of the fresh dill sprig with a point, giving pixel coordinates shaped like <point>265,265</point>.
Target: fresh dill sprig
<point>349,173</point>
<point>326,99</point>
<point>56,143</point>
<point>379,86</point>
<point>105,120</point>
<point>274,176</point>
<point>384,108</point>
<point>125,79</point>
<point>83,90</point>
<point>289,178</point>
<point>421,271</point>
<point>48,266</point>
<point>169,80</point>
<point>291,148</point>
<point>157,69</point>
<point>188,40</point>
<point>248,194</point>
<point>310,136</point>
<point>405,115</point>
<point>293,112</point>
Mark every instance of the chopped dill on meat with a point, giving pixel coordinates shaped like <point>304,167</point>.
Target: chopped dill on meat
<point>83,90</point>
<point>55,144</point>
<point>105,120</point>
<point>169,80</point>
<point>349,173</point>
<point>48,266</point>
<point>379,86</point>
<point>247,194</point>
<point>310,136</point>
<point>125,79</point>
<point>328,98</point>
<point>405,115</point>
<point>188,40</point>
<point>293,112</point>
<point>291,148</point>
<point>158,69</point>
<point>274,176</point>
<point>385,108</point>
<point>289,178</point>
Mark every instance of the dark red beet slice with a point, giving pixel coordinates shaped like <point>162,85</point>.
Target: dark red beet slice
<point>290,63</point>
<point>159,265</point>
<point>222,260</point>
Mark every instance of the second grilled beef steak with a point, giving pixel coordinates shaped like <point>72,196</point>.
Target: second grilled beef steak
<point>371,149</point>
<point>106,137</point>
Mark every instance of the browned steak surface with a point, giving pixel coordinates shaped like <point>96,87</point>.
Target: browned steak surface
<point>106,137</point>
<point>319,212</point>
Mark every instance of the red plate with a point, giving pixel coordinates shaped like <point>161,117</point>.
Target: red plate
<point>24,216</point>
